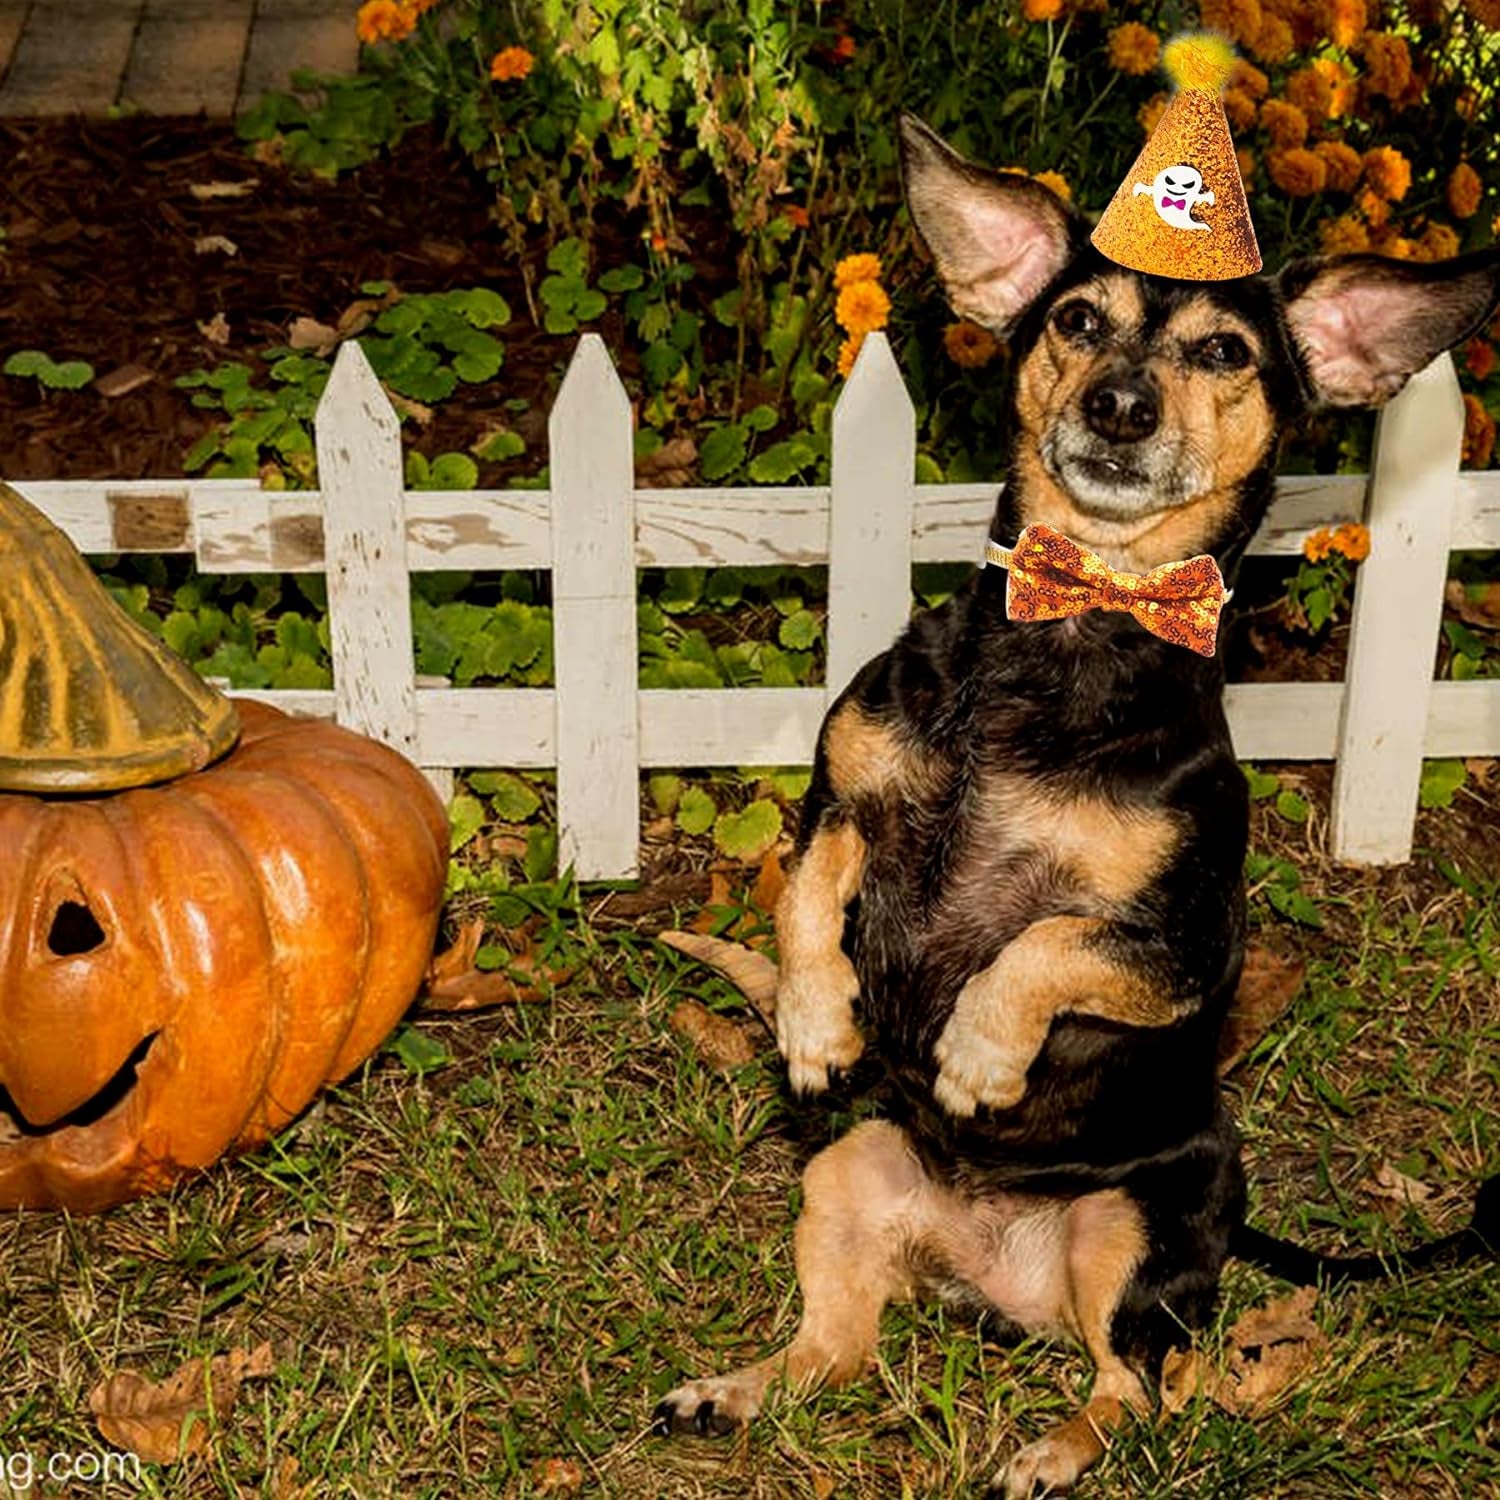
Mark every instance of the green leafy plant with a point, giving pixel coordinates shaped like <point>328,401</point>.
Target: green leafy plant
<point>1278,883</point>
<point>53,375</point>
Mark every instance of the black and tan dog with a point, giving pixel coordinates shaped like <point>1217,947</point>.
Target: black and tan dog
<point>1022,850</point>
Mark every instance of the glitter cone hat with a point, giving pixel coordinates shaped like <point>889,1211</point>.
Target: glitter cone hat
<point>1181,210</point>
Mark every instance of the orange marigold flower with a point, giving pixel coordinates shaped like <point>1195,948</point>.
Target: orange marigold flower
<point>1298,172</point>
<point>1311,92</point>
<point>1389,242</point>
<point>1372,208</point>
<point>1273,42</point>
<point>1245,159</point>
<point>862,307</point>
<point>1479,433</point>
<point>1465,190</point>
<point>1479,357</point>
<point>1343,165</point>
<point>1284,123</point>
<point>1041,10</point>
<point>1316,545</point>
<point>384,21</point>
<point>1387,173</point>
<point>1150,113</point>
<point>1353,540</point>
<point>1056,182</point>
<point>1342,87</point>
<point>1486,12</point>
<point>1240,19</point>
<point>852,268</point>
<point>970,345</point>
<point>1438,242</point>
<point>1133,48</point>
<point>849,352</point>
<point>1240,108</point>
<point>795,215</point>
<point>1343,236</point>
<point>1387,63</point>
<point>511,62</point>
<point>1342,21</point>
<point>1248,77</point>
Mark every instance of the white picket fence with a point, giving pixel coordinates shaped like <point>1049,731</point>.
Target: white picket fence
<point>593,528</point>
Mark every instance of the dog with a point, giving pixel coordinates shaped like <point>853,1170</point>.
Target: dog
<point>1022,850</point>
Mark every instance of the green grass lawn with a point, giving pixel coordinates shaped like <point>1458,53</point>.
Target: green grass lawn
<point>506,1259</point>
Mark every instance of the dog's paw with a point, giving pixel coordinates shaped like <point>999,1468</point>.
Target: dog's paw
<point>1048,1466</point>
<point>974,1068</point>
<point>707,1408</point>
<point>815,1027</point>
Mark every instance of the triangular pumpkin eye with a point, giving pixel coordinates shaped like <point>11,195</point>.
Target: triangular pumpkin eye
<point>74,930</point>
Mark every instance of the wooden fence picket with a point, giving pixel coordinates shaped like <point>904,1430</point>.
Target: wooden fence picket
<point>1394,621</point>
<point>594,529</point>
<point>593,619</point>
<point>870,515</point>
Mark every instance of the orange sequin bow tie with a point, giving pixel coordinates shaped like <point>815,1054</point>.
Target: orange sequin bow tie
<point>1052,577</point>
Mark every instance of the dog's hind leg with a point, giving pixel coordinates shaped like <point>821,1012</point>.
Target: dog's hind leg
<point>1106,1247</point>
<point>860,1196</point>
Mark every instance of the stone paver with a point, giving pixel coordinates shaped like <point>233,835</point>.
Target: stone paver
<point>187,56</point>
<point>164,56</point>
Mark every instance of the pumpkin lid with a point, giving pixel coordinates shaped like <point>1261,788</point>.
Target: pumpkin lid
<point>90,701</point>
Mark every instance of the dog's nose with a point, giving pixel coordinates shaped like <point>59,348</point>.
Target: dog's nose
<point>1122,408</point>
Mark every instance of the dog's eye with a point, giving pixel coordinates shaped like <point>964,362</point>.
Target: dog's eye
<point>1221,351</point>
<point>1079,319</point>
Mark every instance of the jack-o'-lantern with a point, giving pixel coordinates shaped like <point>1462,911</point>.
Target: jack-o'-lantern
<point>182,966</point>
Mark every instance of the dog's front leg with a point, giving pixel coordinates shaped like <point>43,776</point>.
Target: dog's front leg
<point>1077,965</point>
<point>815,993</point>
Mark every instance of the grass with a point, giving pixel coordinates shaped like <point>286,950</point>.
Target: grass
<point>472,1271</point>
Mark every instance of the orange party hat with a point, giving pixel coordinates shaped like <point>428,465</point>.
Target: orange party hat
<point>1181,211</point>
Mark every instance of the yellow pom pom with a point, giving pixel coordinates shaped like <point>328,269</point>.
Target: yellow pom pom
<point>1199,60</point>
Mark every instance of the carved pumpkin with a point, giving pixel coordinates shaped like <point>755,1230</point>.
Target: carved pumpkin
<point>182,966</point>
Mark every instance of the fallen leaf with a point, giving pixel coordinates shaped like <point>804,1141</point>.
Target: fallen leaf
<point>308,333</point>
<point>769,883</point>
<point>443,252</point>
<point>216,329</point>
<point>1390,1183</point>
<point>823,1485</point>
<point>1270,1348</point>
<point>459,958</point>
<point>285,1486</point>
<point>454,983</point>
<point>1268,984</point>
<point>1181,1379</point>
<point>215,244</point>
<point>421,415</point>
<point>123,380</point>
<point>556,1476</point>
<point>162,1422</point>
<point>672,466</point>
<point>1476,603</point>
<point>718,896</point>
<point>720,1043</point>
<point>751,973</point>
<point>206,192</point>
<point>1482,772</point>
<point>363,311</point>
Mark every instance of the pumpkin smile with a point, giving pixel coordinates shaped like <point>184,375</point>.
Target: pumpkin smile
<point>14,1125</point>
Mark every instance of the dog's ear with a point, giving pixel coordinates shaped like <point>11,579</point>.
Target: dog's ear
<point>1364,324</point>
<point>998,237</point>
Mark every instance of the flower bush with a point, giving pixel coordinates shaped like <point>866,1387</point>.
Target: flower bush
<point>759,136</point>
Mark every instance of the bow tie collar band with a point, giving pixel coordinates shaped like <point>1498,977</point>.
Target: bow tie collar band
<point>1050,577</point>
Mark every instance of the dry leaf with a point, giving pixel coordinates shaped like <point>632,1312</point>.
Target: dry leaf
<point>162,1422</point>
<point>769,883</point>
<point>123,380</point>
<point>556,1476</point>
<point>454,983</point>
<point>421,415</point>
<point>1396,1185</point>
<point>1267,986</point>
<point>672,466</point>
<point>1481,771</point>
<point>206,192</point>
<point>720,1043</point>
<point>718,896</point>
<point>443,252</point>
<point>216,329</point>
<point>1271,1347</point>
<point>823,1485</point>
<point>215,244</point>
<point>308,333</point>
<point>751,973</point>
<point>1181,1379</point>
<point>1476,603</point>
<point>285,1487</point>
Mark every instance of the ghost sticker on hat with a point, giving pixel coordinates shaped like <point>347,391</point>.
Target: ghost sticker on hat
<point>1181,211</point>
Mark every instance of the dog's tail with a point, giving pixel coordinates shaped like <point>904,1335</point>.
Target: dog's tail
<point>1480,1240</point>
